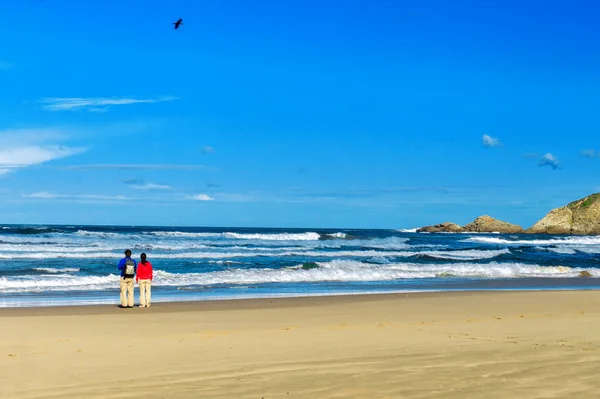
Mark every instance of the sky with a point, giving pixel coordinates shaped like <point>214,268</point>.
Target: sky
<point>267,113</point>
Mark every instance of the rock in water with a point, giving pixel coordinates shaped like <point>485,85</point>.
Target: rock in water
<point>446,227</point>
<point>585,274</point>
<point>487,224</point>
<point>578,217</point>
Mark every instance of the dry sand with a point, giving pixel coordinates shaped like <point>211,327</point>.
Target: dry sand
<point>447,345</point>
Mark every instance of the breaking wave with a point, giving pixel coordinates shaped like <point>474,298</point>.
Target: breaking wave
<point>333,271</point>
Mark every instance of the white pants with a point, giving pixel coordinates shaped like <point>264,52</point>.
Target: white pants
<point>145,292</point>
<point>126,291</point>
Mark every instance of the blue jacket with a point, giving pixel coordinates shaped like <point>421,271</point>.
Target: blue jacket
<point>122,265</point>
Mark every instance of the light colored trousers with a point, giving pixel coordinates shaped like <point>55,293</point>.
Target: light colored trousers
<point>126,291</point>
<point>145,292</point>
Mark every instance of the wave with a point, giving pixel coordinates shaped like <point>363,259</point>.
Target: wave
<point>558,250</point>
<point>57,270</point>
<point>275,237</point>
<point>224,262</point>
<point>455,255</point>
<point>469,254</point>
<point>58,283</point>
<point>337,235</point>
<point>350,270</point>
<point>184,234</point>
<point>337,270</point>
<point>408,230</point>
<point>93,247</point>
<point>101,234</point>
<point>309,236</point>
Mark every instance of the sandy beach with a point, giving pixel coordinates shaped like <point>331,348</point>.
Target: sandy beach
<point>446,345</point>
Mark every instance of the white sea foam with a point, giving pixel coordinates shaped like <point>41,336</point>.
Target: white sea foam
<point>224,262</point>
<point>54,270</point>
<point>456,255</point>
<point>559,250</point>
<point>184,234</point>
<point>275,237</point>
<point>101,234</point>
<point>309,236</point>
<point>408,230</point>
<point>339,270</point>
<point>58,282</point>
<point>338,235</point>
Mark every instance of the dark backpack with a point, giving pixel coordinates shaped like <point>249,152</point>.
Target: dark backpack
<point>129,268</point>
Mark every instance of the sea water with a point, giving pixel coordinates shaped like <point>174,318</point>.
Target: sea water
<point>64,265</point>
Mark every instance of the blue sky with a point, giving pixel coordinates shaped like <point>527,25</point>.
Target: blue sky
<point>264,113</point>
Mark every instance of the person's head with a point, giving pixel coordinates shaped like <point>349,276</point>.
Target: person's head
<point>127,253</point>
<point>143,257</point>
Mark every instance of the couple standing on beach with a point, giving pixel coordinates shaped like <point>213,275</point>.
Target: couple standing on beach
<point>143,276</point>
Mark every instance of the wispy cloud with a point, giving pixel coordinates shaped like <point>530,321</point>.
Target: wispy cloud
<point>207,150</point>
<point>96,104</point>
<point>549,160</point>
<point>200,197</point>
<point>32,155</point>
<point>590,154</point>
<point>28,147</point>
<point>489,141</point>
<point>139,184</point>
<point>47,195</point>
<point>140,167</point>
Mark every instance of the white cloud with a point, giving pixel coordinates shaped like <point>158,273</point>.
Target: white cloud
<point>47,195</point>
<point>201,197</point>
<point>150,186</point>
<point>549,160</point>
<point>28,147</point>
<point>489,141</point>
<point>95,104</point>
<point>32,155</point>
<point>208,150</point>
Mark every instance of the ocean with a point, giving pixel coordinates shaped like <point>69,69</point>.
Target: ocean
<point>68,265</point>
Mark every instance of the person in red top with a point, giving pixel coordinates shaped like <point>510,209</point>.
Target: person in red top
<point>144,278</point>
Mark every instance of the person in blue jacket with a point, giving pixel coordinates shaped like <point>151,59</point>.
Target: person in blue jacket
<point>128,268</point>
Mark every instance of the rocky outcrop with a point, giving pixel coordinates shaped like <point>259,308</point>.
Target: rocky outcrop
<point>446,227</point>
<point>578,217</point>
<point>483,224</point>
<point>487,224</point>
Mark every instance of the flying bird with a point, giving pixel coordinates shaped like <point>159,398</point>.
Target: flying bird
<point>178,23</point>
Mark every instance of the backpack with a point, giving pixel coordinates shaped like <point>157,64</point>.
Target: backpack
<point>129,268</point>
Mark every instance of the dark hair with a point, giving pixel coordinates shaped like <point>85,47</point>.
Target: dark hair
<point>127,252</point>
<point>143,256</point>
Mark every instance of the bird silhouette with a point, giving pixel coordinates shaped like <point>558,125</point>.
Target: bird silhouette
<point>178,23</point>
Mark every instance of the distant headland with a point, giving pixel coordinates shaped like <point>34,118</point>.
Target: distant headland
<point>581,217</point>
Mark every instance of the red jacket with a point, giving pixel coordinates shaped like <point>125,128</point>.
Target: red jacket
<point>144,271</point>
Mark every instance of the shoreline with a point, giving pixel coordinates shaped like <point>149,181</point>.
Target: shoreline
<point>109,298</point>
<point>232,303</point>
<point>240,304</point>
